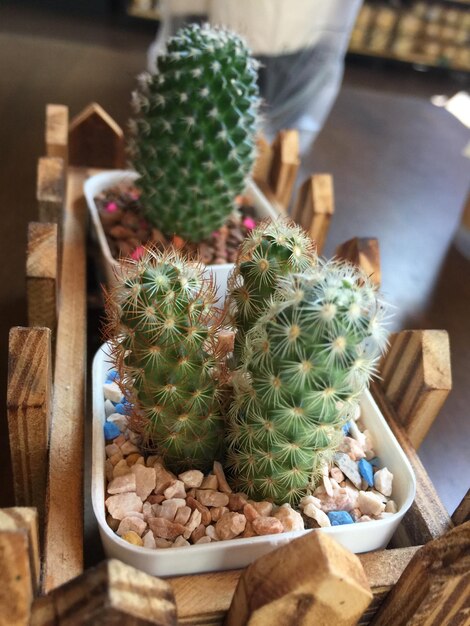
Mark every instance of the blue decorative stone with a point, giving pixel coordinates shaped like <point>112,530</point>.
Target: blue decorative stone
<point>121,408</point>
<point>366,471</point>
<point>111,431</point>
<point>111,376</point>
<point>346,428</point>
<point>338,518</point>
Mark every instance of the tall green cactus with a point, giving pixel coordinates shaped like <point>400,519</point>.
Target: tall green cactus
<point>194,138</point>
<point>272,250</point>
<point>163,327</point>
<point>305,364</point>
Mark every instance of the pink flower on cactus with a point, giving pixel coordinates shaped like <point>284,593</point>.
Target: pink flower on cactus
<point>138,252</point>
<point>111,207</point>
<point>249,223</point>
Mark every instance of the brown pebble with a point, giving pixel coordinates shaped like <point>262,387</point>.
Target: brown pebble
<point>222,481</point>
<point>193,504</point>
<point>164,478</point>
<point>210,482</point>
<point>249,531</point>
<point>230,525</point>
<point>193,522</point>
<point>250,512</point>
<point>120,440</point>
<point>133,458</point>
<point>182,515</point>
<point>267,526</point>
<point>165,529</point>
<point>236,501</point>
<point>112,523</point>
<point>197,533</point>
<point>217,512</point>
<point>109,470</point>
<point>154,499</point>
<point>120,232</point>
<point>116,458</point>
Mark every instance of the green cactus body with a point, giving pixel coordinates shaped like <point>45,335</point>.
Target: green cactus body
<point>304,367</point>
<point>271,251</point>
<point>194,138</point>
<point>164,337</point>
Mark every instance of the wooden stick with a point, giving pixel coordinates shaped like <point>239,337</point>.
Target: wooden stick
<point>285,164</point>
<point>64,515</point>
<point>42,275</point>
<point>111,593</point>
<point>264,159</point>
<point>57,132</point>
<point>50,192</point>
<point>25,519</point>
<point>16,590</point>
<point>315,206</point>
<point>365,253</point>
<point>427,517</point>
<point>205,598</point>
<point>29,398</point>
<point>462,512</point>
<point>416,376</point>
<point>95,140</point>
<point>434,590</point>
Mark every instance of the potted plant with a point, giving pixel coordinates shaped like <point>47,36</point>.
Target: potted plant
<point>192,146</point>
<point>285,406</point>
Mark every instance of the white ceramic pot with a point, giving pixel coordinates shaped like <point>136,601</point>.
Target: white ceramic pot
<point>100,182</point>
<point>238,553</point>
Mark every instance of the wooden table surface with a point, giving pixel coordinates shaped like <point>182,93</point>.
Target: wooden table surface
<point>396,160</point>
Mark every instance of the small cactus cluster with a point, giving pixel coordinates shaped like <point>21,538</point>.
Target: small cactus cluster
<point>193,138</point>
<point>271,251</point>
<point>305,363</point>
<point>163,327</point>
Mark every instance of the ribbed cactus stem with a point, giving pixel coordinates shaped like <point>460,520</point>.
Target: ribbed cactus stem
<point>272,250</point>
<point>163,327</point>
<point>193,138</point>
<point>304,366</point>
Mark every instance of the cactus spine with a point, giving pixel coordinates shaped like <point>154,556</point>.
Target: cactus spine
<point>194,136</point>
<point>305,364</point>
<point>272,250</point>
<point>164,339</point>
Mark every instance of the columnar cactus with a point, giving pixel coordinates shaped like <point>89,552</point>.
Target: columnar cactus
<point>272,250</point>
<point>194,137</point>
<point>164,339</point>
<point>304,367</point>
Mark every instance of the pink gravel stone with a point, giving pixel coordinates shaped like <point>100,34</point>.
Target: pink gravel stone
<point>230,525</point>
<point>197,533</point>
<point>176,490</point>
<point>250,512</point>
<point>164,529</point>
<point>149,540</point>
<point>216,512</point>
<point>122,484</point>
<point>193,522</point>
<point>210,482</point>
<point>180,542</point>
<point>169,507</point>
<point>208,497</point>
<point>337,474</point>
<point>129,448</point>
<point>206,517</point>
<point>264,508</point>
<point>204,539</point>
<point>191,478</point>
<point>162,543</point>
<point>236,501</point>
<point>111,449</point>
<point>212,533</point>
<point>145,480</point>
<point>182,515</point>
<point>163,478</point>
<point>121,468</point>
<point>122,504</point>
<point>132,523</point>
<point>290,519</point>
<point>267,526</point>
<point>222,481</point>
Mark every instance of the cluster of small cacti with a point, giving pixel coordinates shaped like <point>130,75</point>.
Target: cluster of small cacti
<point>308,332</point>
<point>163,326</point>
<point>272,250</point>
<point>305,363</point>
<point>194,137</point>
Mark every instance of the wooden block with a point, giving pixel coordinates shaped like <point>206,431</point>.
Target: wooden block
<point>311,580</point>
<point>264,158</point>
<point>434,590</point>
<point>205,599</point>
<point>42,274</point>
<point>314,207</point>
<point>111,593</point>
<point>50,192</point>
<point>95,140</point>
<point>24,519</point>
<point>63,550</point>
<point>427,517</point>
<point>29,398</point>
<point>416,378</point>
<point>16,590</point>
<point>365,253</point>
<point>462,512</point>
<point>57,132</point>
<point>285,165</point>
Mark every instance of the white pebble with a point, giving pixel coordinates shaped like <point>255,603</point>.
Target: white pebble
<point>149,540</point>
<point>180,542</point>
<point>391,507</point>
<point>369,503</point>
<point>309,500</point>
<point>119,420</point>
<point>112,392</point>
<point>383,480</point>
<point>318,515</point>
<point>109,408</point>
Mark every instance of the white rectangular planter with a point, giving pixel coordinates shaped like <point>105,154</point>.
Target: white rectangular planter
<point>238,553</point>
<point>100,182</point>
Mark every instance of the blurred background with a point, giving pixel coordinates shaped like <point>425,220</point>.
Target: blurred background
<point>356,78</point>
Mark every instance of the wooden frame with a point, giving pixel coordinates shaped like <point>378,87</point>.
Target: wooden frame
<point>206,598</point>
